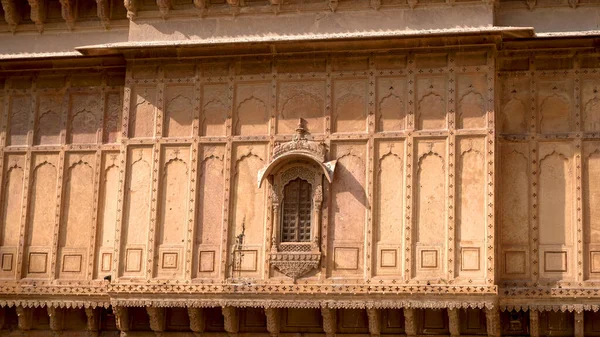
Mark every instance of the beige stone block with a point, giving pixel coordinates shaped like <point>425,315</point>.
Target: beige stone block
<point>515,262</point>
<point>245,260</point>
<point>555,261</point>
<point>169,260</point>
<point>388,258</point>
<point>429,259</point>
<point>133,260</point>
<point>207,261</point>
<point>71,263</point>
<point>7,262</point>
<point>106,263</point>
<point>469,259</point>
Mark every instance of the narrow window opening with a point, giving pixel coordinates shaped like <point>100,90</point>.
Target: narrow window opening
<point>296,213</point>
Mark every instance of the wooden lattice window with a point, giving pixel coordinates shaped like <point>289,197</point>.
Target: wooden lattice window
<point>297,207</point>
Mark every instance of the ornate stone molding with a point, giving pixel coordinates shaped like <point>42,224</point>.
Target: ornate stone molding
<point>295,264</point>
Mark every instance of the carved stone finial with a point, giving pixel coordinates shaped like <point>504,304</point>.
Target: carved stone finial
<point>24,316</point>
<point>38,13</point>
<point>157,318</point>
<point>103,12</point>
<point>131,7</point>
<point>200,6</point>
<point>164,6</point>
<point>197,321</point>
<point>11,14</point>
<point>68,13</point>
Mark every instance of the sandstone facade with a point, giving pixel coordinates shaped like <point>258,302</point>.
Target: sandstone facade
<point>321,168</point>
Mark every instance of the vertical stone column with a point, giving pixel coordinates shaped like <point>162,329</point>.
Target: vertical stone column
<point>579,327</point>
<point>410,322</point>
<point>273,321</point>
<point>329,321</point>
<point>24,316</point>
<point>231,323</point>
<point>197,320</point>
<point>374,316</point>
<point>534,323</point>
<point>56,319</point>
<point>453,322</point>
<point>122,319</point>
<point>157,319</point>
<point>93,320</point>
<point>492,317</point>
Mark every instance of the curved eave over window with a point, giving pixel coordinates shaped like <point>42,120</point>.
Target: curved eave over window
<point>328,168</point>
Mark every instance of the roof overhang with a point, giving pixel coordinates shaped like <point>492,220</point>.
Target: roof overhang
<point>328,168</point>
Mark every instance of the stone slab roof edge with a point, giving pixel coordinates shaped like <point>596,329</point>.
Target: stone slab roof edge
<point>120,47</point>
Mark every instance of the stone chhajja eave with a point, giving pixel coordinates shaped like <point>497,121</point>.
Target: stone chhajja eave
<point>561,305</point>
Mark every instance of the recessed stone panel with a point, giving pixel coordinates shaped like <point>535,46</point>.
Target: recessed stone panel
<point>7,262</point>
<point>555,262</point>
<point>345,258</point>
<point>515,262</point>
<point>71,263</point>
<point>106,263</point>
<point>169,260</point>
<point>429,259</point>
<point>38,263</point>
<point>595,262</point>
<point>207,261</point>
<point>245,260</point>
<point>388,258</point>
<point>133,260</point>
<point>469,259</point>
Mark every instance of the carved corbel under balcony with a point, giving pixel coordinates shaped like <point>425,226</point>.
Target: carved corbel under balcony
<point>164,6</point>
<point>122,319</point>
<point>375,4</point>
<point>234,5</point>
<point>38,13</point>
<point>272,321</point>
<point>93,321</point>
<point>200,6</point>
<point>103,12</point>
<point>68,11</point>
<point>412,3</point>
<point>374,316</point>
<point>333,5</point>
<point>11,15</point>
<point>24,316</point>
<point>56,318</point>
<point>230,320</point>
<point>157,318</point>
<point>410,322</point>
<point>531,4</point>
<point>574,3</point>
<point>329,321</point>
<point>197,320</point>
<point>131,7</point>
<point>276,6</point>
<point>492,317</point>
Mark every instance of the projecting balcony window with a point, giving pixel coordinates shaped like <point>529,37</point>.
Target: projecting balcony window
<point>297,208</point>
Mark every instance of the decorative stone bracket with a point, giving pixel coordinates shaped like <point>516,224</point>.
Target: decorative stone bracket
<point>296,264</point>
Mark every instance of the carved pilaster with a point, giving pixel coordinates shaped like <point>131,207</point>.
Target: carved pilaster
<point>122,319</point>
<point>69,12</point>
<point>11,15</point>
<point>374,316</point>
<point>410,322</point>
<point>38,13</point>
<point>56,318</point>
<point>492,317</point>
<point>534,323</point>
<point>272,321</point>
<point>197,320</point>
<point>578,324</point>
<point>93,320</point>
<point>231,323</point>
<point>103,12</point>
<point>329,321</point>
<point>164,6</point>
<point>24,316</point>
<point>157,318</point>
<point>131,6</point>
<point>453,322</point>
